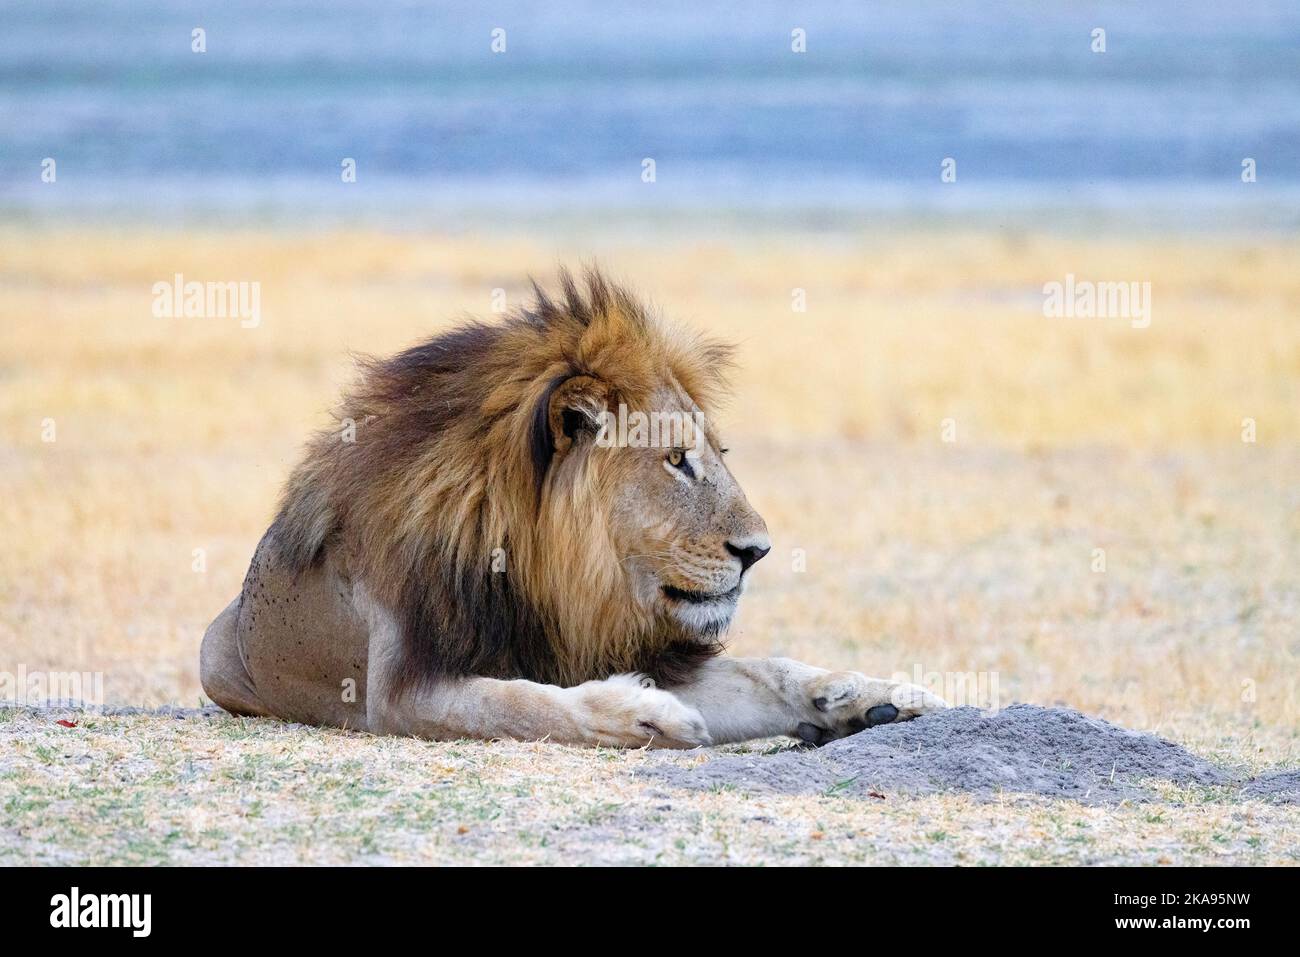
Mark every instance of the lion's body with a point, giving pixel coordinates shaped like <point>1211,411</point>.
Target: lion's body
<point>291,645</point>
<point>462,557</point>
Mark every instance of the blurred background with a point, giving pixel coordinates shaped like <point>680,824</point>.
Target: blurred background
<point>1152,130</point>
<point>947,460</point>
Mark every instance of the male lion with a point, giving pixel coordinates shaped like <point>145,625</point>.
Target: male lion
<point>477,562</point>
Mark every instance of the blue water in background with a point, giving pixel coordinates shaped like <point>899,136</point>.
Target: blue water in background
<point>1042,128</point>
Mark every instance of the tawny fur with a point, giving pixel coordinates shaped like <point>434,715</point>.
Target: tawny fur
<point>475,562</point>
<point>444,478</point>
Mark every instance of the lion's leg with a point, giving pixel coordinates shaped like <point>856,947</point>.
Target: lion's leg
<point>622,711</point>
<point>744,698</point>
<point>291,646</point>
<point>221,667</point>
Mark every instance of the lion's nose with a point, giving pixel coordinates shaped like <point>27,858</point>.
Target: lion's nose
<point>748,554</point>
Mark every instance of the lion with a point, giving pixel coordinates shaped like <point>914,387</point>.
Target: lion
<point>472,556</point>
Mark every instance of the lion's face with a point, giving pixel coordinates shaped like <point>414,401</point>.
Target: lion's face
<point>683,530</point>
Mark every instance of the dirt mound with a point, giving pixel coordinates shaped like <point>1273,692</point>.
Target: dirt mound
<point>1024,748</point>
<point>1276,787</point>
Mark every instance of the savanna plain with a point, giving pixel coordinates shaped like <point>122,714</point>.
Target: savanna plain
<point>1078,511</point>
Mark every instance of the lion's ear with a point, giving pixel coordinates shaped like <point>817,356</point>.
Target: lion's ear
<point>574,408</point>
<point>571,406</point>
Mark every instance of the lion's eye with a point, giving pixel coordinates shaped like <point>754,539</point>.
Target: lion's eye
<point>678,460</point>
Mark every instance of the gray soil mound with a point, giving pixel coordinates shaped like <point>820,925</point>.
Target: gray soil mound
<point>1277,787</point>
<point>1050,751</point>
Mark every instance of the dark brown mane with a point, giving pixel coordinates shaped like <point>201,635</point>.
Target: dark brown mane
<point>455,439</point>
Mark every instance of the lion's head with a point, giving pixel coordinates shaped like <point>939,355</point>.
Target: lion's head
<point>544,497</point>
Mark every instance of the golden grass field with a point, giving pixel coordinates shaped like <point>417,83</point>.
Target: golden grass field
<point>976,555</point>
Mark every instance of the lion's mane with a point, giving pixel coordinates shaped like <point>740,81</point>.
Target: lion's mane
<point>447,504</point>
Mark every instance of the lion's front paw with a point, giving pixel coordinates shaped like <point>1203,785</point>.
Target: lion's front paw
<point>628,711</point>
<point>846,702</point>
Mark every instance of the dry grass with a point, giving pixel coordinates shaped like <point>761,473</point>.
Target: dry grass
<point>144,790</point>
<point>975,556</point>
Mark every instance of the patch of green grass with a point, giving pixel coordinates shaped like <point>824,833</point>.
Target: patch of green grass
<point>840,786</point>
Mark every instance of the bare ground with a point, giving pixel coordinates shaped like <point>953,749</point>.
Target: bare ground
<point>201,787</point>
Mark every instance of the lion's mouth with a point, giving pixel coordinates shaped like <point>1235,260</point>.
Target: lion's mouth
<point>699,597</point>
